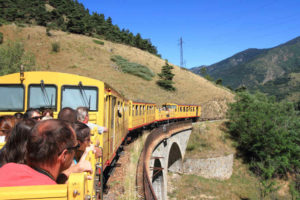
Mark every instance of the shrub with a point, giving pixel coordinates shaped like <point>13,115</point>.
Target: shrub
<point>1,38</point>
<point>48,32</point>
<point>133,68</point>
<point>55,47</point>
<point>267,133</point>
<point>12,56</point>
<point>98,42</point>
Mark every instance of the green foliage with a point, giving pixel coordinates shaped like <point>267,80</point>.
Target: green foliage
<point>267,133</point>
<point>55,47</point>
<point>219,81</point>
<point>203,71</point>
<point>166,76</point>
<point>12,56</point>
<point>98,42</point>
<point>71,16</point>
<point>133,68</point>
<point>1,38</point>
<point>267,187</point>
<point>295,188</point>
<point>48,31</point>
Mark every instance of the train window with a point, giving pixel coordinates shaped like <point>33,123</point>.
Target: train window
<point>136,110</point>
<point>42,96</point>
<point>75,96</point>
<point>13,100</point>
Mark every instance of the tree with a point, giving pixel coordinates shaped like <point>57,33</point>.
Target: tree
<point>166,76</point>
<point>267,133</point>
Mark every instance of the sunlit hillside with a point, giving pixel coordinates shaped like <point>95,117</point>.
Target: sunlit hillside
<point>79,54</point>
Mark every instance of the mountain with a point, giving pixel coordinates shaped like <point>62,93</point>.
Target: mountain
<point>275,71</point>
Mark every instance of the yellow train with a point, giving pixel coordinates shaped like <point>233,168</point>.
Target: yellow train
<point>54,90</point>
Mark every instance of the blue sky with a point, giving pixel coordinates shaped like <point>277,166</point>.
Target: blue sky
<point>212,30</point>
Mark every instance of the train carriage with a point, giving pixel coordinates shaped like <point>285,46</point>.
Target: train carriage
<point>55,90</point>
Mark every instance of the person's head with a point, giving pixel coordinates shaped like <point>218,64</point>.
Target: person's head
<point>47,113</point>
<point>7,123</point>
<point>19,115</point>
<point>83,135</point>
<point>68,114</point>
<point>32,114</point>
<point>15,147</point>
<point>83,114</point>
<point>51,145</point>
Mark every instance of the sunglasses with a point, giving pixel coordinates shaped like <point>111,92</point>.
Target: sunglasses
<point>37,117</point>
<point>71,148</point>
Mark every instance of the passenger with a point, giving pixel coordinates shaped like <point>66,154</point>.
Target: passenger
<point>15,147</point>
<point>33,114</point>
<point>50,150</point>
<point>83,137</point>
<point>83,116</point>
<point>68,114</point>
<point>7,122</point>
<point>48,113</point>
<point>19,115</point>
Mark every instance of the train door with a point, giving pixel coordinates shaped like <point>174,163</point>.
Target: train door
<point>112,124</point>
<point>106,134</point>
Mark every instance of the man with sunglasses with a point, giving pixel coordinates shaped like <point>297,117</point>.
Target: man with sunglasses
<point>50,150</point>
<point>33,114</point>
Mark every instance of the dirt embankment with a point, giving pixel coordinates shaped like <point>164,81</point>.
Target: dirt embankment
<point>215,109</point>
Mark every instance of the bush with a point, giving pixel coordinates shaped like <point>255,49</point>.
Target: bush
<point>55,47</point>
<point>12,56</point>
<point>133,68</point>
<point>1,38</point>
<point>98,42</point>
<point>267,133</point>
<point>48,32</point>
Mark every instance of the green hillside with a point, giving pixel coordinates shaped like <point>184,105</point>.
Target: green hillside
<point>273,71</point>
<point>70,16</point>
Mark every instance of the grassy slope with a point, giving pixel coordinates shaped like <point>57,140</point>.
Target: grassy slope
<point>80,55</point>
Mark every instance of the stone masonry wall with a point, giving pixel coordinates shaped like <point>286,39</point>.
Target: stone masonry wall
<point>219,168</point>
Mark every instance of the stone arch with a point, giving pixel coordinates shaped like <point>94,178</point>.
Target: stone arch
<point>158,179</point>
<point>175,158</point>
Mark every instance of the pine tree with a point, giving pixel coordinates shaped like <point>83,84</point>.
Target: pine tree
<point>166,76</point>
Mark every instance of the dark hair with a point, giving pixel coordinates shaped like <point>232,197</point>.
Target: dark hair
<point>19,115</point>
<point>7,122</point>
<point>44,113</point>
<point>15,147</point>
<point>47,139</point>
<point>29,113</point>
<point>68,114</point>
<point>82,131</point>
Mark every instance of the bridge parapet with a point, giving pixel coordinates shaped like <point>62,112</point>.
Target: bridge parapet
<point>164,150</point>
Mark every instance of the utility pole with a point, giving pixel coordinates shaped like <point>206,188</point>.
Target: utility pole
<point>181,52</point>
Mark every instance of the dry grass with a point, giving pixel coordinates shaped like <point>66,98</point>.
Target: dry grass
<point>93,60</point>
<point>208,139</point>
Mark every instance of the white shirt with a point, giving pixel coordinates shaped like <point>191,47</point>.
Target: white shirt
<point>92,126</point>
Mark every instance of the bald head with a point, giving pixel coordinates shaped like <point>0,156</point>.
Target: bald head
<point>47,139</point>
